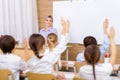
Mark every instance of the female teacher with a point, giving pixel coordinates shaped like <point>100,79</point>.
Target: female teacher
<point>48,27</point>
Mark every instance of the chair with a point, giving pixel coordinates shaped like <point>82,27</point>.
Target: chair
<point>77,66</point>
<point>78,79</point>
<point>37,76</point>
<point>6,74</point>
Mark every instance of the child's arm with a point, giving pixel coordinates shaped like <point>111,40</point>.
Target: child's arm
<point>112,46</point>
<point>58,50</point>
<point>64,34</point>
<point>106,42</point>
<point>105,26</point>
<point>65,26</point>
<point>26,50</point>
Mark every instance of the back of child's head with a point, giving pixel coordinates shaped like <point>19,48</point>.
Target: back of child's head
<point>7,44</point>
<point>92,56</point>
<point>52,40</point>
<point>36,42</point>
<point>89,40</point>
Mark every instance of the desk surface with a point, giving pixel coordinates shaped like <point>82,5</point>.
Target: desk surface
<point>71,75</point>
<point>68,75</point>
<point>68,63</point>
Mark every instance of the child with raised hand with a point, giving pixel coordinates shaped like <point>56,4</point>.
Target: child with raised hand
<point>94,70</point>
<point>90,40</point>
<point>43,61</point>
<point>52,41</point>
<point>8,60</point>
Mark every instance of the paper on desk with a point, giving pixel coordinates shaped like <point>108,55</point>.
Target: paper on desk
<point>69,76</point>
<point>111,78</point>
<point>27,70</point>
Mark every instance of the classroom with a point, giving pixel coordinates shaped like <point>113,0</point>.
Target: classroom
<point>45,40</point>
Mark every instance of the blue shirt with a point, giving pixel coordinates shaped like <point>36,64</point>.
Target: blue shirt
<point>45,33</point>
<point>103,49</point>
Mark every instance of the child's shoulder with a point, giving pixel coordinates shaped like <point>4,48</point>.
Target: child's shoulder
<point>15,56</point>
<point>10,56</point>
<point>33,59</point>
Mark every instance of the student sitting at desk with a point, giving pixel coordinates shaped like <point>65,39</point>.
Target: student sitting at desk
<point>8,60</point>
<point>91,40</point>
<point>43,61</point>
<point>94,70</point>
<point>52,41</point>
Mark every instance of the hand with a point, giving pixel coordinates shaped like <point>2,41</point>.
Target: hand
<point>62,22</point>
<point>25,43</point>
<point>112,33</point>
<point>65,63</point>
<point>65,24</point>
<point>105,26</point>
<point>61,77</point>
<point>107,55</point>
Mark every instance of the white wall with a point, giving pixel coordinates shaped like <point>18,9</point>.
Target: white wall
<point>87,18</point>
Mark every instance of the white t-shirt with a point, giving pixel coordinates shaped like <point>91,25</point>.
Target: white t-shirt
<point>102,71</point>
<point>13,63</point>
<point>59,60</point>
<point>45,64</point>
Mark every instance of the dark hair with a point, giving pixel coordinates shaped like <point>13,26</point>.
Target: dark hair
<point>1,38</point>
<point>7,44</point>
<point>49,16</point>
<point>89,40</point>
<point>36,42</point>
<point>92,56</point>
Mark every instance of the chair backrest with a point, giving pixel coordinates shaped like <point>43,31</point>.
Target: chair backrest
<point>37,76</point>
<point>6,74</point>
<point>78,79</point>
<point>77,66</point>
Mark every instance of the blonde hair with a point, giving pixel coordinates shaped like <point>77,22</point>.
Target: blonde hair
<point>52,40</point>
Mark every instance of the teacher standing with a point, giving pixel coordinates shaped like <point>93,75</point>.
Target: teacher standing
<point>48,27</point>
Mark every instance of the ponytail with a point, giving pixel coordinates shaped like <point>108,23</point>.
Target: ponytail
<point>37,54</point>
<point>92,56</point>
<point>93,66</point>
<point>36,42</point>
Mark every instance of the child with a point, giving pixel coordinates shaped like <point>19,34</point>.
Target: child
<point>43,61</point>
<point>8,60</point>
<point>52,41</point>
<point>94,70</point>
<point>91,40</point>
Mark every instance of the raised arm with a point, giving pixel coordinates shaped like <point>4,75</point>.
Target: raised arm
<point>58,50</point>
<point>64,36</point>
<point>105,26</point>
<point>64,33</point>
<point>26,50</point>
<point>112,46</point>
<point>65,26</point>
<point>106,42</point>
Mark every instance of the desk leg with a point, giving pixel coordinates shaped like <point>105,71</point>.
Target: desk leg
<point>67,55</point>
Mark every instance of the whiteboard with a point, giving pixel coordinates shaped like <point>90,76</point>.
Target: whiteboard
<point>87,17</point>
